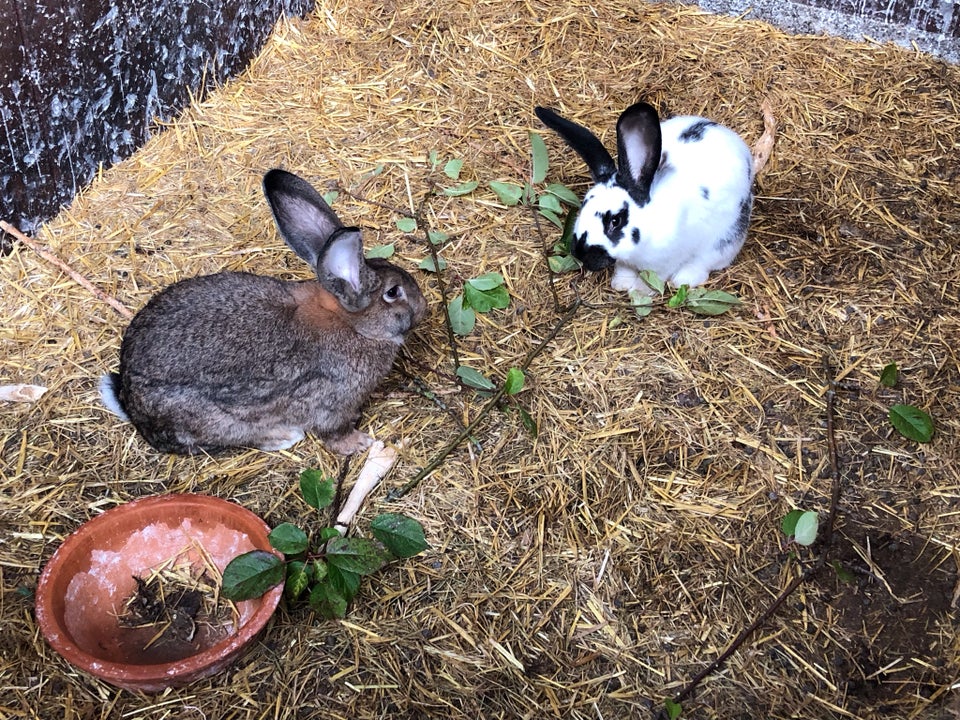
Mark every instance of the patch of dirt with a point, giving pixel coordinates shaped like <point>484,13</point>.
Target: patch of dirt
<point>892,595</point>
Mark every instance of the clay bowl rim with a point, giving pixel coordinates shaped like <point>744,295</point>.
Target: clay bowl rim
<point>148,677</point>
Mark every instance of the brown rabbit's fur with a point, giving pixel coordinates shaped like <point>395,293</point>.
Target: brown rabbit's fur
<point>235,359</point>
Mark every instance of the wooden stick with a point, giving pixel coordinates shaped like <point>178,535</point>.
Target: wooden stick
<point>378,463</point>
<point>51,258</point>
<point>764,146</point>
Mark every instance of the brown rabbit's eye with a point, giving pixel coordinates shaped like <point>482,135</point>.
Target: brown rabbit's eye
<point>393,294</point>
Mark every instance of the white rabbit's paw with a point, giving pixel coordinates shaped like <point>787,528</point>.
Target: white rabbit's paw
<point>690,276</point>
<point>626,278</point>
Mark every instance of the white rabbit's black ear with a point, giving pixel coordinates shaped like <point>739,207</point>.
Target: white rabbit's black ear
<point>638,150</point>
<point>344,272</point>
<point>584,143</point>
<point>304,219</point>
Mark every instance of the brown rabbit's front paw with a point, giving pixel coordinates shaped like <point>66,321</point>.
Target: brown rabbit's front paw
<point>352,442</point>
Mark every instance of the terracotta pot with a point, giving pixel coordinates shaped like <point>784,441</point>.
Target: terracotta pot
<point>85,585</point>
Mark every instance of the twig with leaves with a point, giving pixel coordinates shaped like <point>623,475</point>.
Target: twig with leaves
<point>672,707</point>
<point>494,400</point>
<point>441,285</point>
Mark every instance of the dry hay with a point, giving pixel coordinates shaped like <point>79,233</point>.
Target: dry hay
<point>593,570</point>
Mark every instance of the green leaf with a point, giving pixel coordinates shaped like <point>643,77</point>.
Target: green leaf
<point>452,168</point>
<point>330,197</point>
<point>250,575</point>
<point>514,382</point>
<point>483,301</point>
<point>911,422</point>
<point>328,533</point>
<point>552,217</point>
<point>401,535</point>
<point>380,251</point>
<point>427,264</point>
<point>710,302</point>
<point>566,237</point>
<point>678,298</point>
<point>674,709</point>
<point>843,575</point>
<point>437,237</point>
<point>565,194</point>
<point>462,319</point>
<point>642,303</point>
<point>789,522</point>
<point>528,194</point>
<point>434,158</point>
<point>805,533</point>
<point>317,490</point>
<point>318,569</point>
<point>541,161</point>
<point>407,224</point>
<point>529,424</point>
<point>346,582</point>
<point>653,281</point>
<point>472,378</point>
<point>298,579</point>
<point>288,539</point>
<point>461,189</point>
<point>889,375</point>
<point>487,281</point>
<point>509,193</point>
<point>563,263</point>
<point>327,601</point>
<point>550,203</point>
<point>354,554</point>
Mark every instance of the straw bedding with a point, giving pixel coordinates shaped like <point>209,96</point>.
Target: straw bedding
<point>591,571</point>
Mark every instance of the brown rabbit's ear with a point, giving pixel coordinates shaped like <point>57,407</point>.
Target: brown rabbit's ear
<point>344,272</point>
<point>305,220</point>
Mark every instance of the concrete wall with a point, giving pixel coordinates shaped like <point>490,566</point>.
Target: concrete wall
<point>933,26</point>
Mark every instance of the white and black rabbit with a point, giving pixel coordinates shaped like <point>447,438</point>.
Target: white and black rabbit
<point>678,201</point>
<point>241,360</point>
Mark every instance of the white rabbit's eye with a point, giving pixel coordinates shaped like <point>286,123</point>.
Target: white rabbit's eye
<point>614,222</point>
<point>393,294</point>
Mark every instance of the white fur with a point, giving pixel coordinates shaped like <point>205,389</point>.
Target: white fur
<point>108,395</point>
<point>683,236</point>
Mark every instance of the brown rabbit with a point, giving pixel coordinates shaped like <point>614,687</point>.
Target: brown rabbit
<point>241,360</point>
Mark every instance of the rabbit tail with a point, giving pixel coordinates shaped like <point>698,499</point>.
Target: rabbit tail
<point>109,387</point>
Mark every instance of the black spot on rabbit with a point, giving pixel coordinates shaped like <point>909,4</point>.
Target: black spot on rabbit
<point>614,223</point>
<point>695,132</point>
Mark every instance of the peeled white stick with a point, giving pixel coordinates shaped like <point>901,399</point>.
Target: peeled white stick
<point>379,461</point>
<point>21,393</point>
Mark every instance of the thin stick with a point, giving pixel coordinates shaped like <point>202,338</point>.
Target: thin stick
<point>764,146</point>
<point>544,247</point>
<point>441,285</point>
<point>806,575</point>
<point>438,459</point>
<point>51,258</point>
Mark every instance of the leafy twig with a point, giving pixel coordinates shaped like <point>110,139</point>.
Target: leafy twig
<point>422,389</point>
<point>545,247</point>
<point>423,225</point>
<point>438,459</point>
<point>806,575</point>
